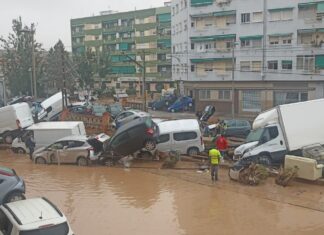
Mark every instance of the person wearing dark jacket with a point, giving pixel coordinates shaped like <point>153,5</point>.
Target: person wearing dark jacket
<point>30,143</point>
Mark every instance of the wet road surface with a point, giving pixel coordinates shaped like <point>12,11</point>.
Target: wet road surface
<point>102,200</point>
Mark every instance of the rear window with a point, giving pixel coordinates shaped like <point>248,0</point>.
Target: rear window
<point>60,229</point>
<point>75,144</point>
<point>185,136</point>
<point>242,123</point>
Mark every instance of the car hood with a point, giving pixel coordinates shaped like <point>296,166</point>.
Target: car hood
<point>40,150</point>
<point>242,148</point>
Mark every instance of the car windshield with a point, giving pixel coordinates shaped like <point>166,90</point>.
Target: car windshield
<point>60,229</point>
<point>254,135</point>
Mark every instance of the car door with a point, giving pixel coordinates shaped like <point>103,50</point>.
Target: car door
<point>54,151</point>
<point>184,140</point>
<point>73,151</point>
<point>164,143</point>
<point>136,137</point>
<point>119,144</point>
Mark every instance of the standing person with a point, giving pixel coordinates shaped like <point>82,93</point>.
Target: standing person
<point>215,157</point>
<point>30,143</point>
<point>222,145</point>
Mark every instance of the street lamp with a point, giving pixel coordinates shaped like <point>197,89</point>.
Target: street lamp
<point>143,67</point>
<point>233,74</point>
<point>32,32</point>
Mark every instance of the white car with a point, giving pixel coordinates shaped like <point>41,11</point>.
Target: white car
<point>33,217</point>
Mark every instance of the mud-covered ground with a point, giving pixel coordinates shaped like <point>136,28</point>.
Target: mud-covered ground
<point>148,200</point>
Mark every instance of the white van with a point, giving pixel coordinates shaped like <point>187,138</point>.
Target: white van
<point>49,108</point>
<point>45,133</point>
<point>32,216</point>
<point>14,118</point>
<point>180,135</point>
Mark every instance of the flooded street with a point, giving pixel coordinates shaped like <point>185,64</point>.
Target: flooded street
<point>102,200</point>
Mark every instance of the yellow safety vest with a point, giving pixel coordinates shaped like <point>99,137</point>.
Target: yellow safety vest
<point>214,155</point>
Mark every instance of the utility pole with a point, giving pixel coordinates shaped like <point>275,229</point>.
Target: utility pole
<point>64,100</point>
<point>233,74</point>
<point>264,43</point>
<point>144,82</point>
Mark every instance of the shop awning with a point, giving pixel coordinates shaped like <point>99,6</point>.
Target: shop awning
<point>319,61</point>
<point>280,34</point>
<point>206,60</point>
<point>197,3</point>
<point>281,9</point>
<point>252,37</point>
<point>306,31</point>
<point>320,7</point>
<point>213,38</point>
<point>286,61</point>
<point>224,13</point>
<point>307,4</point>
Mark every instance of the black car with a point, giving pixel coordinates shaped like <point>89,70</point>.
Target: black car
<point>237,128</point>
<point>134,136</point>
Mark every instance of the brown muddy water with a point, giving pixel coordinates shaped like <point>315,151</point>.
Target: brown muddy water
<point>102,200</point>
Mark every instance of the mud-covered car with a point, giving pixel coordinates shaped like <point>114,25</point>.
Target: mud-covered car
<point>12,187</point>
<point>132,137</point>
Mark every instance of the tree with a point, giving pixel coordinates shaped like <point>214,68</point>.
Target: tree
<point>17,58</point>
<point>59,68</point>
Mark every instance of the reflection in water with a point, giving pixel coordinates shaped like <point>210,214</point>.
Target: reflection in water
<point>102,200</point>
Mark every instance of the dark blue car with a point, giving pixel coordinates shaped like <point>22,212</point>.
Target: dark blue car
<point>163,102</point>
<point>182,104</point>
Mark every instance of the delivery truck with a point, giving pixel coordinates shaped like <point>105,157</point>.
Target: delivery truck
<point>13,119</point>
<point>284,129</point>
<point>45,133</point>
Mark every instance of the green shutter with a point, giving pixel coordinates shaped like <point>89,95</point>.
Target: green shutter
<point>164,17</point>
<point>123,46</point>
<point>123,70</point>
<point>306,5</point>
<point>205,60</point>
<point>319,61</point>
<point>115,58</point>
<point>224,13</point>
<point>280,34</point>
<point>252,37</point>
<point>166,43</point>
<point>213,38</point>
<point>281,9</point>
<point>320,7</point>
<point>197,3</point>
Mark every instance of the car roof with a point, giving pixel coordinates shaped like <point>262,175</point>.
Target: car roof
<point>53,125</point>
<point>132,123</point>
<point>33,210</point>
<point>74,138</point>
<point>178,125</point>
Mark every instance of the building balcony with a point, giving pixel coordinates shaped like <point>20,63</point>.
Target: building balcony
<point>93,31</point>
<point>118,29</point>
<point>310,23</point>
<point>231,29</point>
<point>119,40</point>
<point>78,34</point>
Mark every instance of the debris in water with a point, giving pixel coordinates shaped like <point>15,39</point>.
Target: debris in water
<point>253,175</point>
<point>285,176</point>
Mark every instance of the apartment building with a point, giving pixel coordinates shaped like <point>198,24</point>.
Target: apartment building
<point>125,37</point>
<point>254,54</point>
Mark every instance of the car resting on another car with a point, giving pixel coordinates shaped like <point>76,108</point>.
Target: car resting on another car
<point>129,115</point>
<point>12,187</point>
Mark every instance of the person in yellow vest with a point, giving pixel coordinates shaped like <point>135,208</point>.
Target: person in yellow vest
<point>215,158</point>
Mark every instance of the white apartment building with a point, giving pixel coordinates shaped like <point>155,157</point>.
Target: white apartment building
<point>273,50</point>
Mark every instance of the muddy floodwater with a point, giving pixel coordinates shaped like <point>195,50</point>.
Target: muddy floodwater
<point>103,200</point>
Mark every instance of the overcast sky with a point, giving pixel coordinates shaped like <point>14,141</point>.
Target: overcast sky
<point>52,17</point>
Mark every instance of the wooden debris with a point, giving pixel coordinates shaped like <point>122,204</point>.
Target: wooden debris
<point>171,160</point>
<point>253,175</point>
<point>285,176</point>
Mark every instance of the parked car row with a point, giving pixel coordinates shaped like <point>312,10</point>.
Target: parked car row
<point>172,104</point>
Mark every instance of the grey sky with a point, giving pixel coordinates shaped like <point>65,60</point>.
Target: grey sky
<point>52,17</point>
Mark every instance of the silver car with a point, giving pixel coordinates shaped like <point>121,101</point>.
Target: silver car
<point>12,187</point>
<point>78,149</point>
<point>129,115</point>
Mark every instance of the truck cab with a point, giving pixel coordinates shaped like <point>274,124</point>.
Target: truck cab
<point>33,216</point>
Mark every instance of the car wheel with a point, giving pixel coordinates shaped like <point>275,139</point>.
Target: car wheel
<point>150,145</point>
<point>82,161</point>
<point>193,152</point>
<point>40,160</point>
<point>172,111</point>
<point>8,138</point>
<point>20,151</point>
<point>15,196</point>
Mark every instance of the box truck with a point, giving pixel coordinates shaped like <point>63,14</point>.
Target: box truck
<point>45,133</point>
<point>284,129</point>
<point>13,119</point>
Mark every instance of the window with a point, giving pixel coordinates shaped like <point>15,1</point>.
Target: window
<point>204,94</point>
<point>245,65</point>
<point>273,64</point>
<point>173,11</point>
<point>256,66</point>
<point>274,40</point>
<point>269,134</point>
<point>258,16</point>
<point>192,46</point>
<point>306,63</point>
<point>277,15</point>
<point>245,18</point>
<point>192,24</point>
<point>242,123</point>
<point>208,68</point>
<point>224,94</point>
<point>245,43</point>
<point>281,97</point>
<point>75,144</point>
<point>192,68</point>
<point>251,101</point>
<point>286,64</point>
<point>185,136</point>
<point>163,138</point>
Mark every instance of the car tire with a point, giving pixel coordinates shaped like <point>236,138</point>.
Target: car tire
<point>150,145</point>
<point>82,161</point>
<point>15,196</point>
<point>40,160</point>
<point>172,111</point>
<point>20,151</point>
<point>193,151</point>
